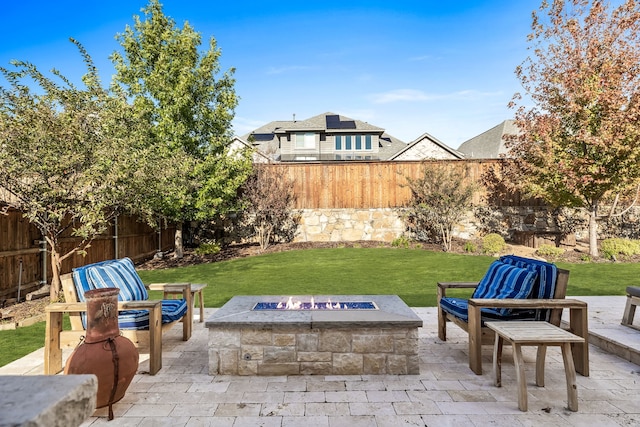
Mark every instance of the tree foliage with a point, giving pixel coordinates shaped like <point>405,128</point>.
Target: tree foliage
<point>440,199</point>
<point>176,88</point>
<point>269,200</point>
<point>580,141</point>
<point>67,156</point>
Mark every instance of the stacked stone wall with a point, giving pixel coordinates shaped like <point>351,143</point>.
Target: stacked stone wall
<point>308,351</point>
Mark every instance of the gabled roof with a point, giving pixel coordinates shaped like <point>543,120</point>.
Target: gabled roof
<point>490,144</point>
<point>265,137</point>
<point>422,152</point>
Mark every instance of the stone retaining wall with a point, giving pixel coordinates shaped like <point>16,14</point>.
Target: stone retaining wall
<point>348,225</point>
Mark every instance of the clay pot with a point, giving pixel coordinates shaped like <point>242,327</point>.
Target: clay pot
<point>104,352</point>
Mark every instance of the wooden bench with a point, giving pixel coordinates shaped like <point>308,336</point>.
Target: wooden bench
<point>56,338</point>
<point>633,300</point>
<point>553,306</point>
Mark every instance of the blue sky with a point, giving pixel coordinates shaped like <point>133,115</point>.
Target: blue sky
<point>441,67</point>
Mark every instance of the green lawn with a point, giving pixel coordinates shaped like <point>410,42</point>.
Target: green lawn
<point>410,273</point>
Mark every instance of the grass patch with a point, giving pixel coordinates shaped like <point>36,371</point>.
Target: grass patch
<point>410,274</point>
<point>16,343</point>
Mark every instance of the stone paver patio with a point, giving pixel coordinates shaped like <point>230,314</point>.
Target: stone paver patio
<point>446,393</point>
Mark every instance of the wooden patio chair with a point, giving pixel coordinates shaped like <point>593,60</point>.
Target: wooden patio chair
<point>141,320</point>
<point>536,290</point>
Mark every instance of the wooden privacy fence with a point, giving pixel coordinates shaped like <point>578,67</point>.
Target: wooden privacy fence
<point>23,260</point>
<point>362,185</point>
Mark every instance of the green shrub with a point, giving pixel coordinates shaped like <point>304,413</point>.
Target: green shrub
<point>208,249</point>
<point>400,242</point>
<point>550,251</point>
<point>616,246</point>
<point>470,247</point>
<point>493,243</point>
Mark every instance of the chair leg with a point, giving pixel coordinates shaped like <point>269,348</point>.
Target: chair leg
<point>442,325</point>
<point>475,340</point>
<point>629,312</point>
<point>155,339</point>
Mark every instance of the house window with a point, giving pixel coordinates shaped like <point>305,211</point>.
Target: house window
<point>306,140</point>
<point>353,142</point>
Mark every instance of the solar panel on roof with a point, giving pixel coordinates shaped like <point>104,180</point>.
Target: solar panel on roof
<point>348,124</point>
<point>333,121</point>
<point>260,137</point>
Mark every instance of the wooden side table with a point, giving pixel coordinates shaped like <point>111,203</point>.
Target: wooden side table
<point>196,289</point>
<point>542,335</point>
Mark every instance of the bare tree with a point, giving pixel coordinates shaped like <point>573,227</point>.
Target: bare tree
<point>269,200</point>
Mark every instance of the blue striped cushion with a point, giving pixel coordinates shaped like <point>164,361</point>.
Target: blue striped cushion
<point>81,280</point>
<point>545,285</point>
<point>117,275</point>
<point>459,307</point>
<point>172,310</point>
<point>506,281</point>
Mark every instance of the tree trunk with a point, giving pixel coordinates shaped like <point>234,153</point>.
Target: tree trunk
<point>593,231</point>
<point>178,248</point>
<point>54,291</point>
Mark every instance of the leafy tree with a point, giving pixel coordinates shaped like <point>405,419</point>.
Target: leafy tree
<point>174,88</point>
<point>580,142</point>
<point>269,199</point>
<point>67,158</point>
<point>439,200</point>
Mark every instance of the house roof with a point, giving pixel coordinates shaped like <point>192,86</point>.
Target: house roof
<point>432,140</point>
<point>489,144</point>
<point>265,137</point>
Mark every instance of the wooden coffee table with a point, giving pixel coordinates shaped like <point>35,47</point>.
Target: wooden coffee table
<point>542,335</point>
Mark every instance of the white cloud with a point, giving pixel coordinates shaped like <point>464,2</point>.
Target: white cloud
<point>287,69</point>
<point>414,95</point>
<point>421,58</point>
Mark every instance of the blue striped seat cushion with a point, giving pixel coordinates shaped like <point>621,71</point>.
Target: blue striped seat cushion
<point>459,307</point>
<point>545,285</point>
<point>506,281</point>
<point>172,310</point>
<point>120,274</point>
<point>81,280</point>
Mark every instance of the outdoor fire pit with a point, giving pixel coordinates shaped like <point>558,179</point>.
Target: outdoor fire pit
<point>324,335</point>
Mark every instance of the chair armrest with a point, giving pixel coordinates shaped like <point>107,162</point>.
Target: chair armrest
<point>443,286</point>
<point>526,303</point>
<point>169,286</point>
<point>76,307</point>
<point>459,285</point>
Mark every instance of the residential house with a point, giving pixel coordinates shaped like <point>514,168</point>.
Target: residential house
<point>325,137</point>
<point>427,147</point>
<point>489,144</point>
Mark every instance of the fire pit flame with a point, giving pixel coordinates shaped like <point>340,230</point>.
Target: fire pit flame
<point>290,304</point>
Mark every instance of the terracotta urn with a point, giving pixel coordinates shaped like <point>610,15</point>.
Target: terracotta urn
<point>103,351</point>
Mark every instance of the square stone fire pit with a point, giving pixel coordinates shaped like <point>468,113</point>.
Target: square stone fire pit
<point>378,340</point>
